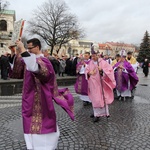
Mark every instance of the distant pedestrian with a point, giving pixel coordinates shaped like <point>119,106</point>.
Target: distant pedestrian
<point>4,66</point>
<point>145,67</point>
<point>68,67</point>
<point>74,63</point>
<point>62,66</point>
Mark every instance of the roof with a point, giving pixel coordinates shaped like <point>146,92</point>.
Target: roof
<point>104,46</point>
<point>8,12</point>
<point>120,44</point>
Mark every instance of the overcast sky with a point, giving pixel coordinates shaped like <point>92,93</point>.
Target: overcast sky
<point>103,20</point>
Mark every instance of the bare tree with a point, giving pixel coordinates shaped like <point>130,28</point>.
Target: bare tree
<point>55,24</point>
<point>24,40</point>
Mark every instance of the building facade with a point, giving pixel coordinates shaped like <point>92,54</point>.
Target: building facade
<point>7,19</point>
<point>74,47</point>
<point>113,48</point>
<point>105,49</point>
<point>117,47</point>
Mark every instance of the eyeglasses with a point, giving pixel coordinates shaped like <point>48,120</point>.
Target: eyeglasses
<point>31,47</point>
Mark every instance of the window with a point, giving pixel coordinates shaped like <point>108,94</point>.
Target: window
<point>10,34</point>
<point>3,25</point>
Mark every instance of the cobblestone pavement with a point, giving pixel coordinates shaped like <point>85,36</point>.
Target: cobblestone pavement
<point>128,128</point>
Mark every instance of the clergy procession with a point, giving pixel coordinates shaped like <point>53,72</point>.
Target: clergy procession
<point>59,91</point>
<point>97,83</point>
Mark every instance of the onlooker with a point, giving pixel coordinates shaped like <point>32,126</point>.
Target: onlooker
<point>16,63</point>
<point>62,66</point>
<point>4,61</point>
<point>74,63</point>
<point>68,69</point>
<point>145,67</point>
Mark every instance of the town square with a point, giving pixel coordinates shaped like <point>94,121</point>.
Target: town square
<point>74,75</point>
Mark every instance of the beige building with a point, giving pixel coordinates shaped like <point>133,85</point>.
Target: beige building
<point>81,46</point>
<point>117,47</point>
<point>77,47</point>
<point>7,19</point>
<point>105,49</point>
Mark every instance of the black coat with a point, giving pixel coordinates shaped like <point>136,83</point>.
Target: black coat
<point>145,67</point>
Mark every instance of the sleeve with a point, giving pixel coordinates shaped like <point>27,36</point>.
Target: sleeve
<point>11,61</point>
<point>87,70</point>
<point>108,74</point>
<point>135,66</point>
<point>78,67</point>
<point>45,70</point>
<point>30,61</point>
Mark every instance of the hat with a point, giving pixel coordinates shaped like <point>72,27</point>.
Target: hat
<point>92,49</point>
<point>123,53</point>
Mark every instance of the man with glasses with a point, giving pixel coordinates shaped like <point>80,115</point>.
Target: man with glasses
<point>39,119</point>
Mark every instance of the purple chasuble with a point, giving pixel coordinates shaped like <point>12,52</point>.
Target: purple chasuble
<point>122,77</point>
<point>81,85</point>
<point>37,101</point>
<point>37,106</point>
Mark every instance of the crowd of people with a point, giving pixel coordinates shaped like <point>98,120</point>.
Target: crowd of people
<point>12,65</point>
<point>63,65</point>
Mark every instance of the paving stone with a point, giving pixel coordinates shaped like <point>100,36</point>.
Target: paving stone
<point>126,129</point>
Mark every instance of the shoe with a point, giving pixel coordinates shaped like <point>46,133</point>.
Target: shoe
<point>108,116</point>
<point>96,119</point>
<point>92,116</point>
<point>123,99</point>
<point>88,103</point>
<point>118,98</point>
<point>85,103</point>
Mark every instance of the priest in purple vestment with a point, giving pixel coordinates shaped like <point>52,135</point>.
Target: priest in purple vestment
<point>125,76</point>
<point>81,85</point>
<point>39,89</point>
